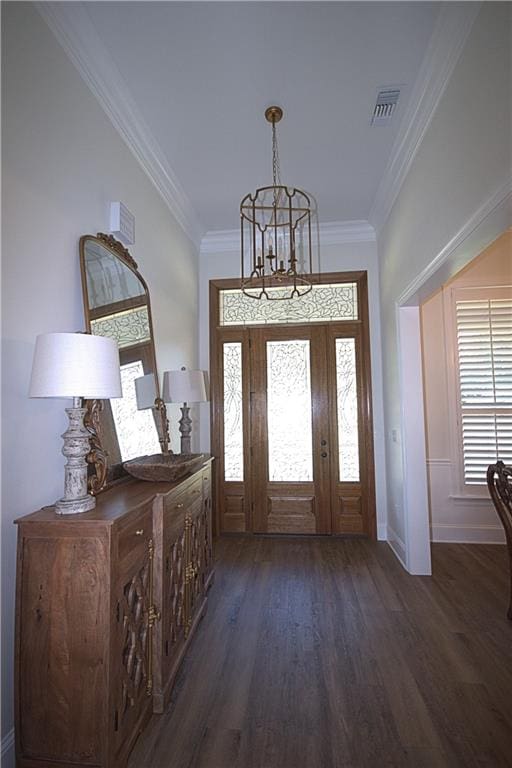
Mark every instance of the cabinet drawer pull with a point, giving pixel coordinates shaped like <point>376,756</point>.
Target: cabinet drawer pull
<point>180,505</point>
<point>139,531</point>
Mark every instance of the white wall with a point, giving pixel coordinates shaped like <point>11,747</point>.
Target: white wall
<point>63,163</point>
<point>333,258</point>
<point>463,160</point>
<point>453,516</point>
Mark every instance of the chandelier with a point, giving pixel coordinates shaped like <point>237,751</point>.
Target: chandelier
<point>275,227</point>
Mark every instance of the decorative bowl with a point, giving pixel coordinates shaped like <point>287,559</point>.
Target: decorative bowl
<point>163,467</point>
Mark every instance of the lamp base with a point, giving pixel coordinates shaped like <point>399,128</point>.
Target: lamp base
<point>76,447</point>
<point>185,428</point>
<point>75,506</point>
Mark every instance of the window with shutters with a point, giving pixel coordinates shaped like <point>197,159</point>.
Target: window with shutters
<point>483,319</point>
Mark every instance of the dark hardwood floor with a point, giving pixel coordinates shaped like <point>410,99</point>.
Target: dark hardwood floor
<point>325,653</point>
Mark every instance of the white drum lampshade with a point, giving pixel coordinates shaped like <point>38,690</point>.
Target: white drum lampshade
<point>147,396</point>
<point>145,391</point>
<point>185,387</point>
<point>75,365</point>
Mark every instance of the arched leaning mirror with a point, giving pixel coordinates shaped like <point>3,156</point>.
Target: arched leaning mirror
<point>116,304</point>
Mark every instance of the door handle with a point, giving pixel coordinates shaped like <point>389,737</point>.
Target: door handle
<point>323,454</point>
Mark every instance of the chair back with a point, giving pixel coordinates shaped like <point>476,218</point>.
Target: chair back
<point>499,482</point>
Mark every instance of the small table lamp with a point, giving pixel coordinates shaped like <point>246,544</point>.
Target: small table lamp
<point>185,387</point>
<point>75,365</point>
<point>145,394</point>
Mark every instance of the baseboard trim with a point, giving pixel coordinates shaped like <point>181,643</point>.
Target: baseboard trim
<point>7,750</point>
<point>397,545</point>
<point>467,534</point>
<point>382,533</point>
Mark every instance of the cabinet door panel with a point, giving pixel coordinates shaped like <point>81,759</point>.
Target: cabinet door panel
<point>208,533</point>
<point>174,613</point>
<point>131,657</point>
<point>62,627</point>
<point>196,555</point>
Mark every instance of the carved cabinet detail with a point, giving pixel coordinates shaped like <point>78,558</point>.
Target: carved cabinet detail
<point>182,583</point>
<point>106,605</point>
<point>208,522</point>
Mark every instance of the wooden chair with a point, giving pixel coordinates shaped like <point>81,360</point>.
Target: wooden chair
<point>499,482</point>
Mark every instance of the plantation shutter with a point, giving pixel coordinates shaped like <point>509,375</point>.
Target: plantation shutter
<point>484,345</point>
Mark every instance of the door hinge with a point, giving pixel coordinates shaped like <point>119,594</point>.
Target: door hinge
<point>118,611</point>
<point>116,720</point>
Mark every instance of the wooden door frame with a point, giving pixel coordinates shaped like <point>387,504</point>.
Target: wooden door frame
<point>216,420</point>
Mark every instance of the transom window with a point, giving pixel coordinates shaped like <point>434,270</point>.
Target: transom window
<point>324,303</point>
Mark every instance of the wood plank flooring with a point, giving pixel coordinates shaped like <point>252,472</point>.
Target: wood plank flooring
<point>325,653</point>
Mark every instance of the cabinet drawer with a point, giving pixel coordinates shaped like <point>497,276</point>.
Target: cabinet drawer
<point>207,481</point>
<point>134,534</point>
<point>183,498</point>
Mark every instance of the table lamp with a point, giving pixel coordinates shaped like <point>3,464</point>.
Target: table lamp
<point>75,365</point>
<point>185,387</point>
<point>146,396</point>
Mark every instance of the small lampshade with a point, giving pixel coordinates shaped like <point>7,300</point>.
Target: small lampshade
<point>145,391</point>
<point>75,365</point>
<point>184,387</point>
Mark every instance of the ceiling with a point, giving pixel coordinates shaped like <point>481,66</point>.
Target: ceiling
<point>202,74</point>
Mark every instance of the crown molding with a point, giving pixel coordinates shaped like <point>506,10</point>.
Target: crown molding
<point>493,216</point>
<point>451,31</point>
<point>339,232</point>
<point>330,233</point>
<point>74,30</point>
<point>220,241</point>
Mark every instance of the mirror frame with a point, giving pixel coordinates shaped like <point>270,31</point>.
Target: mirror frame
<point>97,458</point>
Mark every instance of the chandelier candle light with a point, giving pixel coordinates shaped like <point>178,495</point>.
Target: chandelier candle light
<point>275,227</point>
<point>75,365</point>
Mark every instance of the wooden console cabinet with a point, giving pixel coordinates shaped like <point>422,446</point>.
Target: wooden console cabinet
<point>107,602</point>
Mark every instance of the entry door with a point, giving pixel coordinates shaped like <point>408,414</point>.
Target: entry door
<point>296,439</point>
<point>289,430</point>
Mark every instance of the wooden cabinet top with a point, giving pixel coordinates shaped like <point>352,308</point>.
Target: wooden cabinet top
<point>113,503</point>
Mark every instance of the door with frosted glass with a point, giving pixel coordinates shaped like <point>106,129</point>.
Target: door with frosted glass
<point>289,431</point>
<point>296,435</point>
<point>292,427</point>
<point>306,419</point>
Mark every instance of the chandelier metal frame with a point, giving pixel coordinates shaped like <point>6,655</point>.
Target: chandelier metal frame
<point>275,235</point>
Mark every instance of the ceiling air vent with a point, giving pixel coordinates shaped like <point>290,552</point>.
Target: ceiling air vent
<point>385,106</point>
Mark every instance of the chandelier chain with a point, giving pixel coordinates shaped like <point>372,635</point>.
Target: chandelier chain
<point>276,175</point>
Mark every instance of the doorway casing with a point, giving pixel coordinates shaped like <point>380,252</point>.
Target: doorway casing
<point>241,508</point>
<point>481,229</point>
